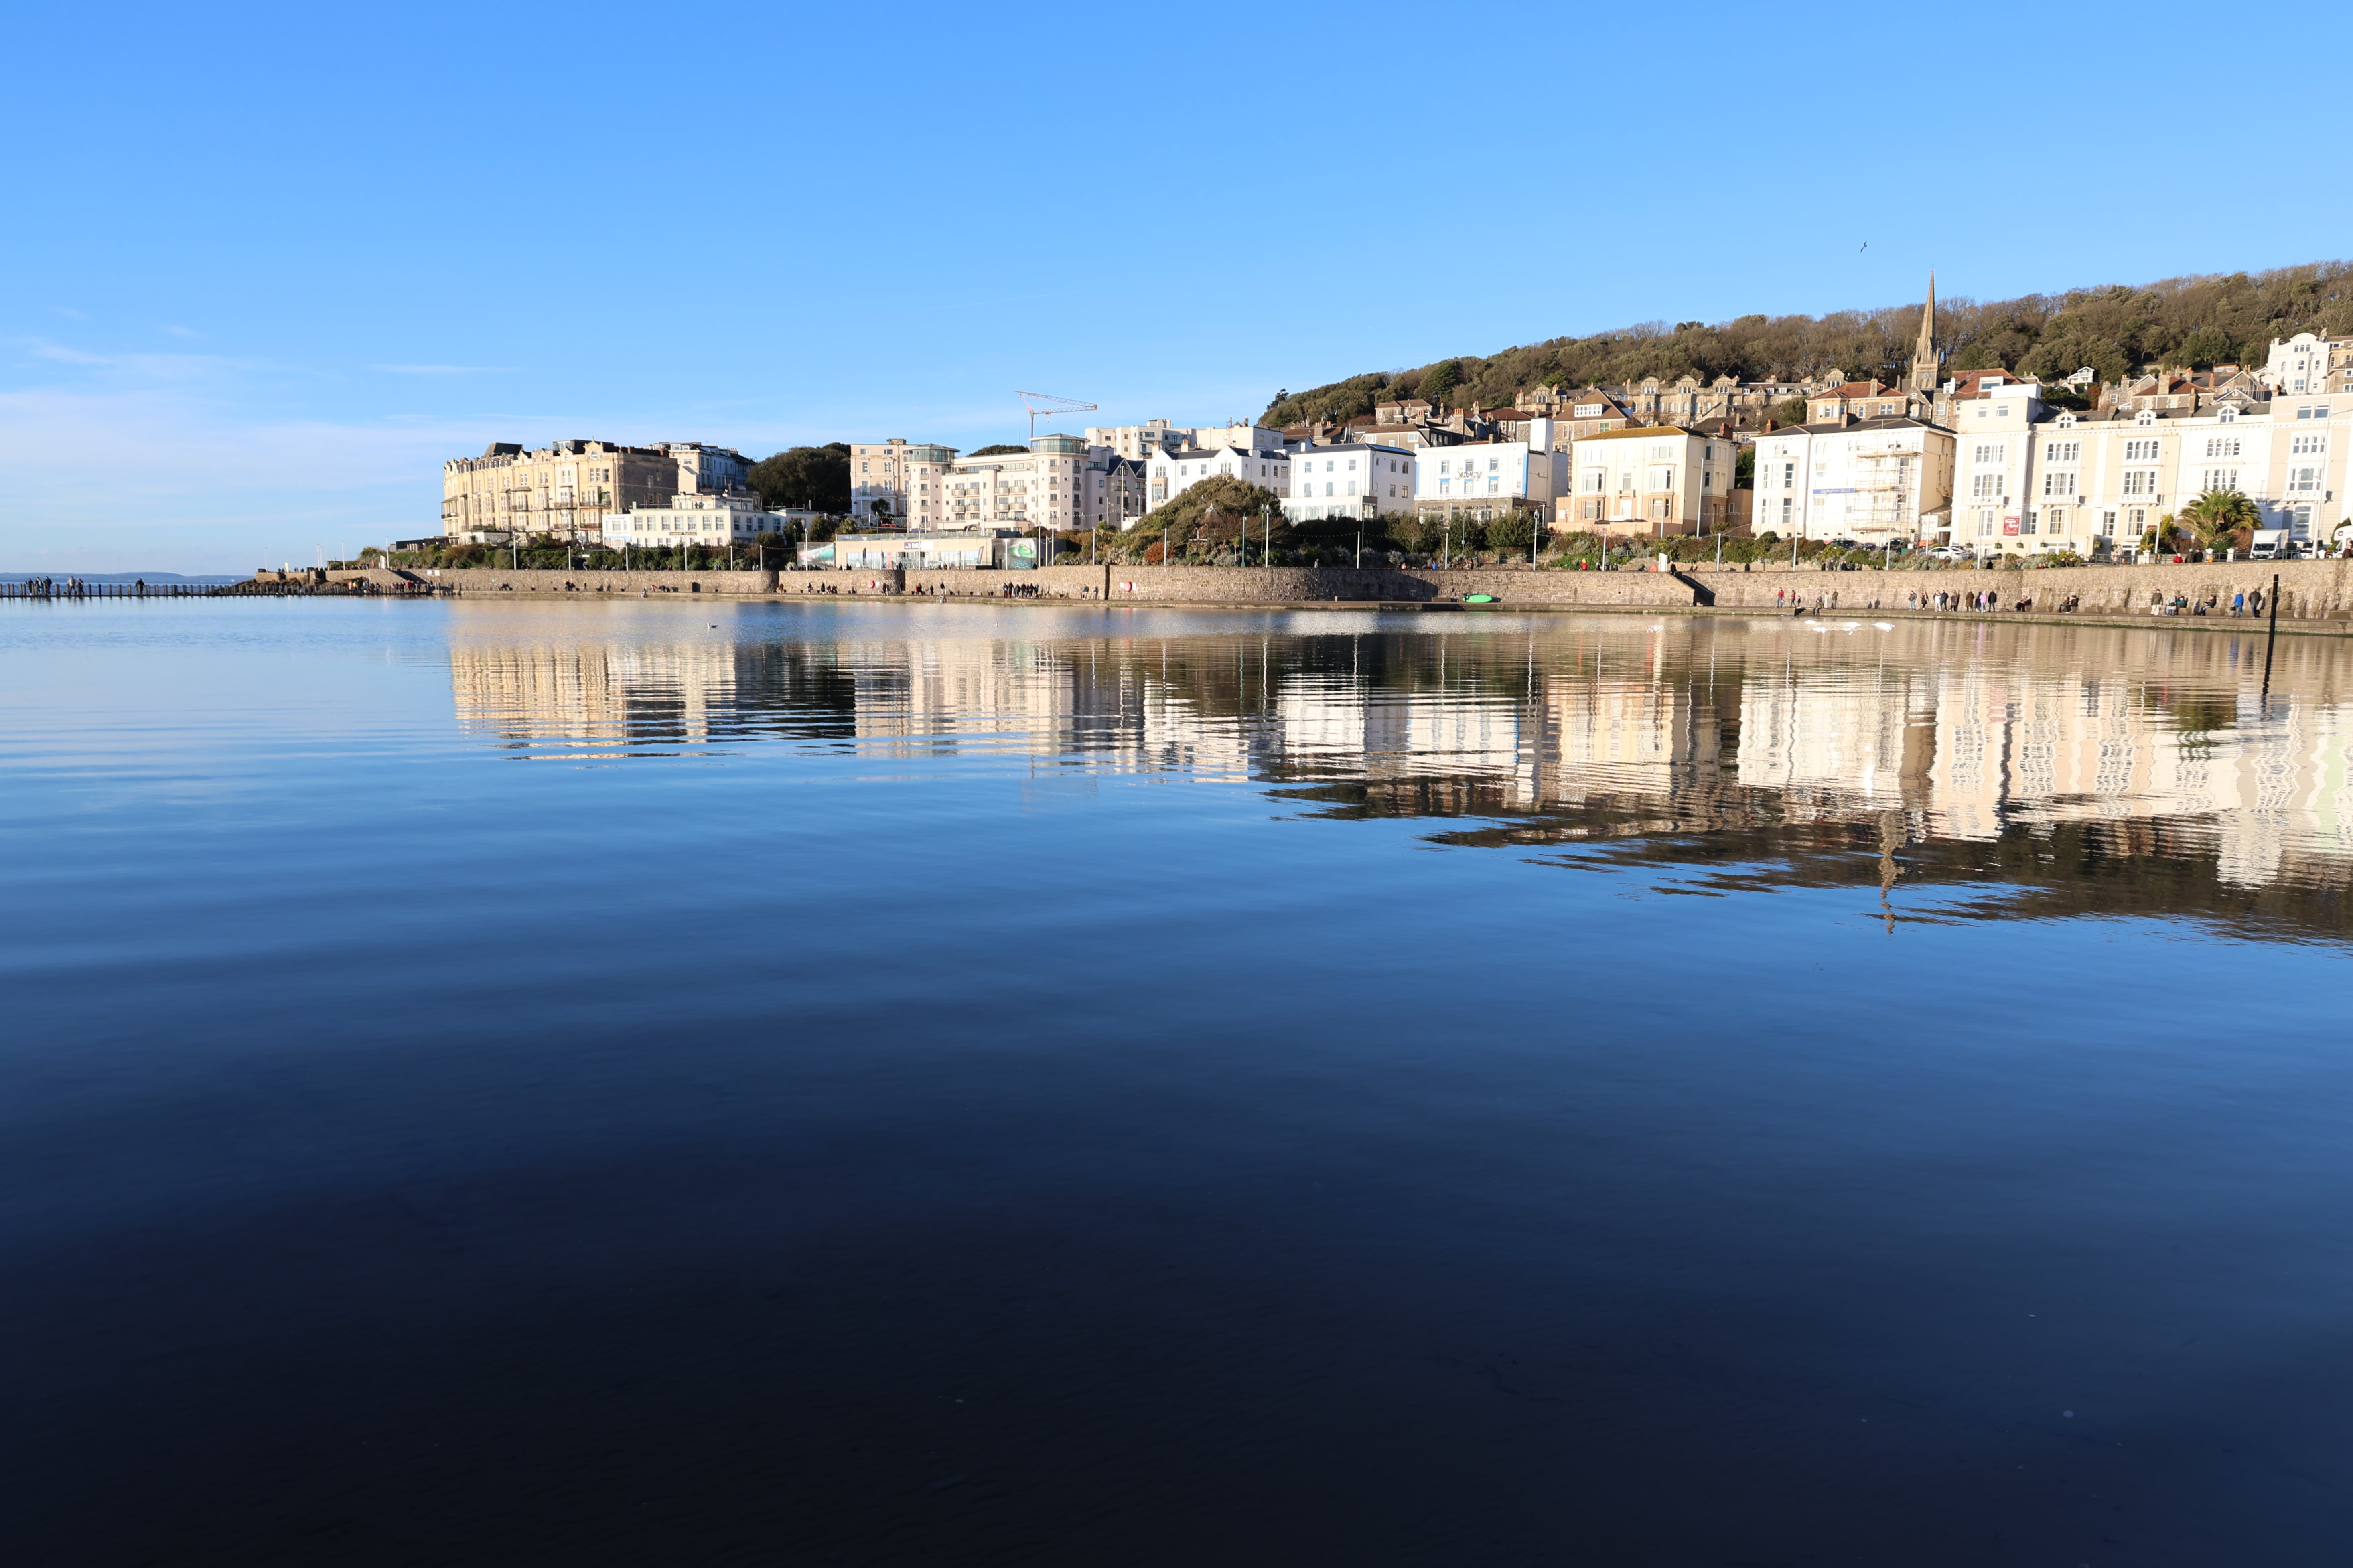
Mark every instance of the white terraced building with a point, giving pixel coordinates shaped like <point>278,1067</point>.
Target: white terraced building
<point>1172,474</point>
<point>705,520</point>
<point>1484,477</point>
<point>1362,480</point>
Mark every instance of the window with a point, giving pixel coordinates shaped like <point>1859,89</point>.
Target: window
<point>2220,480</point>
<point>2303,481</point>
<point>1662,478</point>
<point>1985,487</point>
<point>2027,524</point>
<point>2061,451</point>
<point>2059,484</point>
<point>1593,477</point>
<point>2307,446</point>
<point>1988,452</point>
<point>2140,451</point>
<point>2140,482</point>
<point>1985,525</point>
<point>2223,445</point>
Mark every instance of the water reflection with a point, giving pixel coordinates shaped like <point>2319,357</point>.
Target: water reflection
<point>2085,768</point>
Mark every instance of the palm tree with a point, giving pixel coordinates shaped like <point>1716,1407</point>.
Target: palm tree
<point>2153,539</point>
<point>2217,518</point>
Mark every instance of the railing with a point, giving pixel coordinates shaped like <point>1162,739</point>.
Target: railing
<point>67,588</point>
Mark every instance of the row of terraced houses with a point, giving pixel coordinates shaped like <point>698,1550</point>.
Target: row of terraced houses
<point>1999,463</point>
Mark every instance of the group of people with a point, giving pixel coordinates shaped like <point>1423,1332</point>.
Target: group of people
<point>2248,602</point>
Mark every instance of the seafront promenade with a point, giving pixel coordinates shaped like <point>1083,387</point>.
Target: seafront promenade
<point>2314,595</point>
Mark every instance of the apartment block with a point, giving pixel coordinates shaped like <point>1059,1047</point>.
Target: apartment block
<point>1876,480</point>
<point>899,483</point>
<point>1054,485</point>
<point>1362,480</point>
<point>2309,364</point>
<point>1141,443</point>
<point>562,489</point>
<point>1171,474</point>
<point>1480,478</point>
<point>1648,482</point>
<point>705,520</point>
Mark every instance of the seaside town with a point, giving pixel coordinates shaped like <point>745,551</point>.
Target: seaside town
<point>1985,466</point>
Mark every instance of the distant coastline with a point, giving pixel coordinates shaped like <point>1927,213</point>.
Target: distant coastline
<point>208,578</point>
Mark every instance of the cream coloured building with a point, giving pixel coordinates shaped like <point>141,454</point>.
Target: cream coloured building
<point>1648,482</point>
<point>566,489</point>
<point>1054,485</point>
<point>899,482</point>
<point>562,489</point>
<point>2096,481</point>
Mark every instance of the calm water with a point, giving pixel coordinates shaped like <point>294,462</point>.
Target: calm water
<point>933,1085</point>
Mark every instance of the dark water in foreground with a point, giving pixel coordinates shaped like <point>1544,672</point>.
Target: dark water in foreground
<point>930,1085</point>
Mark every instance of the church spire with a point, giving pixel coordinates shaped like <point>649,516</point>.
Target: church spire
<point>1924,376</point>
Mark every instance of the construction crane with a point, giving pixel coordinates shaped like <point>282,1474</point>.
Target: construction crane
<point>1039,402</point>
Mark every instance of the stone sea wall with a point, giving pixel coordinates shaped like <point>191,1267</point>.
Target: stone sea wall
<point>2310,590</point>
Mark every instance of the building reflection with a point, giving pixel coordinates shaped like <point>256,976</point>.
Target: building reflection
<point>2142,745</point>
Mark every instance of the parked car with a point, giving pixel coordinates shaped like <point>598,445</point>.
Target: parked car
<point>1952,552</point>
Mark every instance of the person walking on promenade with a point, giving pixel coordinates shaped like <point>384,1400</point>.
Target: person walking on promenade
<point>2238,604</point>
<point>2255,604</point>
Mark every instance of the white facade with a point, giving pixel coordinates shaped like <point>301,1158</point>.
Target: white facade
<point>692,518</point>
<point>1877,481</point>
<point>1489,474</point>
<point>2309,364</point>
<point>1171,474</point>
<point>1141,443</point>
<point>1357,481</point>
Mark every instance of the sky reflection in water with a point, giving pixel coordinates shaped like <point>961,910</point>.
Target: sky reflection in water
<point>935,1084</point>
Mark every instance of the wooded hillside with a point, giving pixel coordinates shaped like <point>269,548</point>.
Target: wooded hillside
<point>2195,320</point>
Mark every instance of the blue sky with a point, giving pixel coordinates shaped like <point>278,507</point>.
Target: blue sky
<point>269,266</point>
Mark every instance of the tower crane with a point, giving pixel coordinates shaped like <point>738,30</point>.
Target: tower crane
<point>1039,402</point>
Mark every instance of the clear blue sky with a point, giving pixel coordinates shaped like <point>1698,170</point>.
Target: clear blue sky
<point>267,267</point>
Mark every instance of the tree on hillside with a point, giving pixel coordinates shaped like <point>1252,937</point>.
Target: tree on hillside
<point>809,478</point>
<point>2206,348</point>
<point>1219,505</point>
<point>1000,451</point>
<point>2113,328</point>
<point>1439,380</point>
